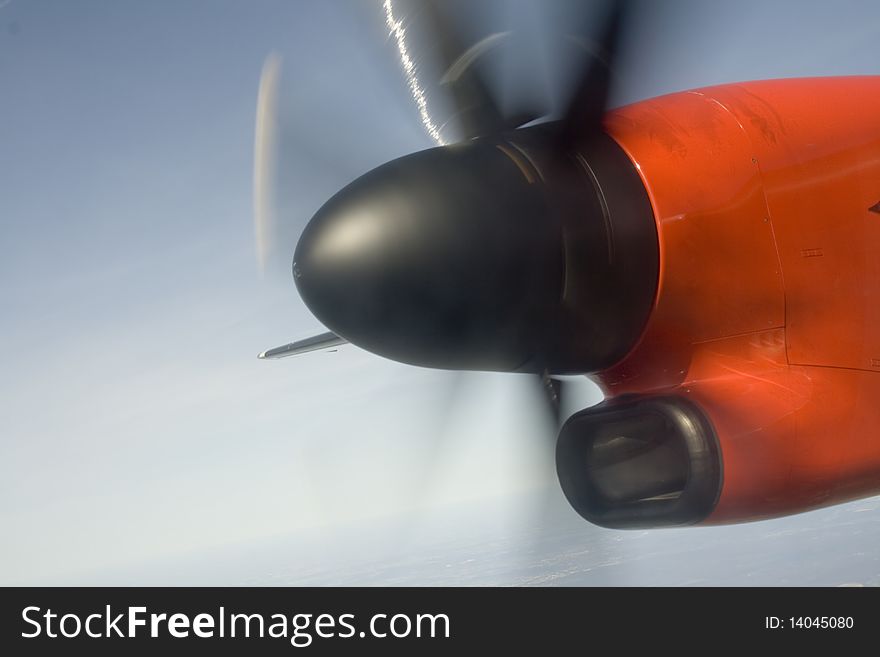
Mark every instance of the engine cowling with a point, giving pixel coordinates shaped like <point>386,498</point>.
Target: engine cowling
<point>766,317</point>
<point>745,437</point>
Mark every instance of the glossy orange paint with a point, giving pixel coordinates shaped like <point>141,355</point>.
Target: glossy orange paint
<point>768,309</point>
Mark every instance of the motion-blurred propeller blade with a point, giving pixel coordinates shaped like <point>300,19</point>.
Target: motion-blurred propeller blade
<point>294,169</point>
<point>476,110</point>
<point>475,92</point>
<point>589,101</point>
<point>266,158</point>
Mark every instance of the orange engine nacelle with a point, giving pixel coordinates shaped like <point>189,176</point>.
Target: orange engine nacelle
<point>760,360</point>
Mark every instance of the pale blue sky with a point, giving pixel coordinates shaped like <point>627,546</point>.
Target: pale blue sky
<point>135,421</point>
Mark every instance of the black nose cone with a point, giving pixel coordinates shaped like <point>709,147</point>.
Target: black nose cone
<point>475,257</point>
<point>437,259</point>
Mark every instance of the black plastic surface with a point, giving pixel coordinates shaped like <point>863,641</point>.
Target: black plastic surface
<point>488,255</point>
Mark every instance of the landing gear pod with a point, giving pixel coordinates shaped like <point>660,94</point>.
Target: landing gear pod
<point>639,463</point>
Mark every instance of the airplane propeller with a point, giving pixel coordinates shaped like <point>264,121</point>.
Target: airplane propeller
<point>481,110</point>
